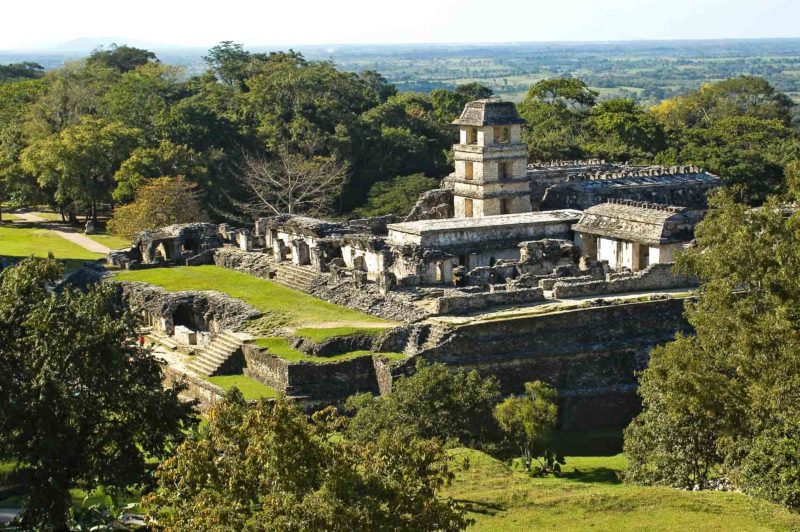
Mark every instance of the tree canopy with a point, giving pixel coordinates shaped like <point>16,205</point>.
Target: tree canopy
<point>724,399</point>
<point>452,407</point>
<point>162,201</point>
<point>270,467</point>
<point>81,403</point>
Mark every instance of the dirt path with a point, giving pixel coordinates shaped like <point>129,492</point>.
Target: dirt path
<point>67,234</point>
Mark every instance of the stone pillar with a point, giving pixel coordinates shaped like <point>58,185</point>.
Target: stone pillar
<point>278,249</point>
<point>318,260</point>
<point>301,253</point>
<point>260,227</point>
<point>244,241</point>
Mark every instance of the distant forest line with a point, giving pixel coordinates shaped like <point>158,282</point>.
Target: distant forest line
<point>646,71</point>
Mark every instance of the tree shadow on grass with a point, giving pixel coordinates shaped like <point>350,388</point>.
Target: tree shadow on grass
<point>480,507</point>
<point>594,475</point>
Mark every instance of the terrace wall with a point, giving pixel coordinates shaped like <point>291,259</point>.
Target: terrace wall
<point>590,355</point>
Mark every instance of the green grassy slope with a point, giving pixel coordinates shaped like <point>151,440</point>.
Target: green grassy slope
<point>250,388</point>
<point>297,308</point>
<point>21,241</point>
<point>589,496</point>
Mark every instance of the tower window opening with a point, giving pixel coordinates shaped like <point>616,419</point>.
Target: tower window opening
<point>502,135</point>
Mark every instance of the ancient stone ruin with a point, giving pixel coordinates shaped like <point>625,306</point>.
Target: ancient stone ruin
<point>559,271</point>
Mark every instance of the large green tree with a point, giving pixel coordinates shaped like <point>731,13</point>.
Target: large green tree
<point>270,467</point>
<point>620,130</point>
<point>162,201</point>
<point>736,128</point>
<point>452,407</point>
<point>554,111</point>
<point>80,162</point>
<point>396,196</point>
<point>81,404</point>
<point>122,57</point>
<point>710,395</point>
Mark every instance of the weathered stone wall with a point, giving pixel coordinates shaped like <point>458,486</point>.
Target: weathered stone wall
<point>336,345</point>
<point>263,367</point>
<point>333,382</point>
<point>583,193</point>
<point>200,311</point>
<point>253,263</point>
<point>368,298</point>
<point>654,277</point>
<point>327,383</point>
<point>432,205</point>
<point>469,302</point>
<point>590,355</point>
<point>205,393</point>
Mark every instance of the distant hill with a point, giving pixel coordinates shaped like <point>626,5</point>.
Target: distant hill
<point>647,71</point>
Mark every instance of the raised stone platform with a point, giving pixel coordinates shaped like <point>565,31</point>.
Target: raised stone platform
<point>459,231</point>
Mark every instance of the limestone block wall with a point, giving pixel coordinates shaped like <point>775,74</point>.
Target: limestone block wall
<point>654,277</point>
<point>470,302</point>
<point>590,355</point>
<point>205,393</point>
<point>326,383</point>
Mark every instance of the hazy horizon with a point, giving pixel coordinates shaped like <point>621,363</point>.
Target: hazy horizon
<point>202,23</point>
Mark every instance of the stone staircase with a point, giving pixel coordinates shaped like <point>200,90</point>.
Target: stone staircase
<point>438,333</point>
<point>210,359</point>
<point>298,277</point>
<point>425,336</point>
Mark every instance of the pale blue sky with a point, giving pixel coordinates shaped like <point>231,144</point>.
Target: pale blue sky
<point>295,22</point>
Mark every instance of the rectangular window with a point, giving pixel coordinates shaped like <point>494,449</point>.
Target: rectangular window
<point>505,206</point>
<point>468,170</point>
<point>504,170</point>
<point>472,135</point>
<point>468,208</point>
<point>502,135</point>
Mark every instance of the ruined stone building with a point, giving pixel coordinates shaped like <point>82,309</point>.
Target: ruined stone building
<point>490,161</point>
<point>492,175</point>
<point>500,236</point>
<point>633,235</point>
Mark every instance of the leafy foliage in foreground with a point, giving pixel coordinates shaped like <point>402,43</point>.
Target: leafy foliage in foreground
<point>269,467</point>
<point>725,399</point>
<point>81,404</point>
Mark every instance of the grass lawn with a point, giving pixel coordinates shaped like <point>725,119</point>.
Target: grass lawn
<point>589,495</point>
<point>280,347</point>
<point>250,388</point>
<point>114,242</point>
<point>292,307</point>
<point>21,241</point>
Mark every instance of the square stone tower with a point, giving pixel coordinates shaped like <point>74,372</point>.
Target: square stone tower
<point>491,161</point>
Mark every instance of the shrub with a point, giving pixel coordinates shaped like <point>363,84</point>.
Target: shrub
<point>452,407</point>
<point>528,421</point>
<point>772,467</point>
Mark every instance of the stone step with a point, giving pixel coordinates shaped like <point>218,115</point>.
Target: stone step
<point>198,366</point>
<point>213,356</point>
<point>225,343</point>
